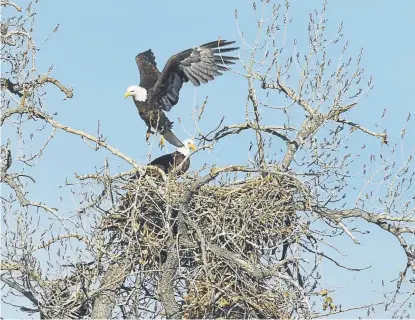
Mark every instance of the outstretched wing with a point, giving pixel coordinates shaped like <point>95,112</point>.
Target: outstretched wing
<point>199,65</point>
<point>148,69</point>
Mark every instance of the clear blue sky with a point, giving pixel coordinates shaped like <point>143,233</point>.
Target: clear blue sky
<point>94,51</point>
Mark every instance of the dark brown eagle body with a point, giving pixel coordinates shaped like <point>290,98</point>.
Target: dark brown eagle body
<point>170,161</point>
<point>197,65</point>
<point>155,118</point>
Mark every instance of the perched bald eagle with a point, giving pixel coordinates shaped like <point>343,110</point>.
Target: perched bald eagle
<point>160,91</point>
<point>170,161</point>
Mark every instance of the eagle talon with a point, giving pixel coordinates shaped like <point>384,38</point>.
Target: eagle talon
<point>162,142</point>
<point>148,135</point>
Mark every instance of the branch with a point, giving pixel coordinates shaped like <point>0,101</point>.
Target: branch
<point>332,260</point>
<point>237,128</point>
<point>308,128</point>
<point>20,289</point>
<point>66,91</point>
<point>17,89</point>
<point>370,217</point>
<point>337,111</point>
<point>12,87</point>
<point>345,229</point>
<point>9,112</point>
<point>6,158</point>
<point>358,126</point>
<point>56,239</point>
<point>12,4</point>
<point>30,274</point>
<point>41,115</point>
<point>289,92</point>
<point>24,202</point>
<point>260,143</point>
<point>380,220</point>
<point>346,310</point>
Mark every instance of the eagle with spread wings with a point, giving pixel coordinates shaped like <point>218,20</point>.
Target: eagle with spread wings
<point>159,91</point>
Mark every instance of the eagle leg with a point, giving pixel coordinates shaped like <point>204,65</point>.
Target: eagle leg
<point>148,133</point>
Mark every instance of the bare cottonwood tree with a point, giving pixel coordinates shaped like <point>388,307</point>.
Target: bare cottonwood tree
<point>245,240</point>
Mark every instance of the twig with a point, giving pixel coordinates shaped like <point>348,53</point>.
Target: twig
<point>24,202</point>
<point>346,310</point>
<point>56,239</point>
<point>237,128</point>
<point>358,126</point>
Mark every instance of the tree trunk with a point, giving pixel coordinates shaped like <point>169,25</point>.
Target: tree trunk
<point>105,300</point>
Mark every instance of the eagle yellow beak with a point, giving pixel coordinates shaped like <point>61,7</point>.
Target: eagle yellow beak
<point>192,146</point>
<point>127,94</point>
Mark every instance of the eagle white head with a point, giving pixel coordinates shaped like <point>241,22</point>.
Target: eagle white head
<point>189,144</point>
<point>138,93</point>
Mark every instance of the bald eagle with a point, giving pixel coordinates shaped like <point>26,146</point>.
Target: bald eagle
<point>170,161</point>
<point>159,91</point>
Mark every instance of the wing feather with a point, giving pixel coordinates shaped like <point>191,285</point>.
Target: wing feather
<point>147,66</point>
<point>191,77</point>
<point>217,43</point>
<point>198,65</point>
<point>199,74</point>
<point>206,72</point>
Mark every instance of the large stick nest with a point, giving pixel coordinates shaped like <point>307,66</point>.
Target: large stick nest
<point>254,213</point>
<point>251,217</point>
